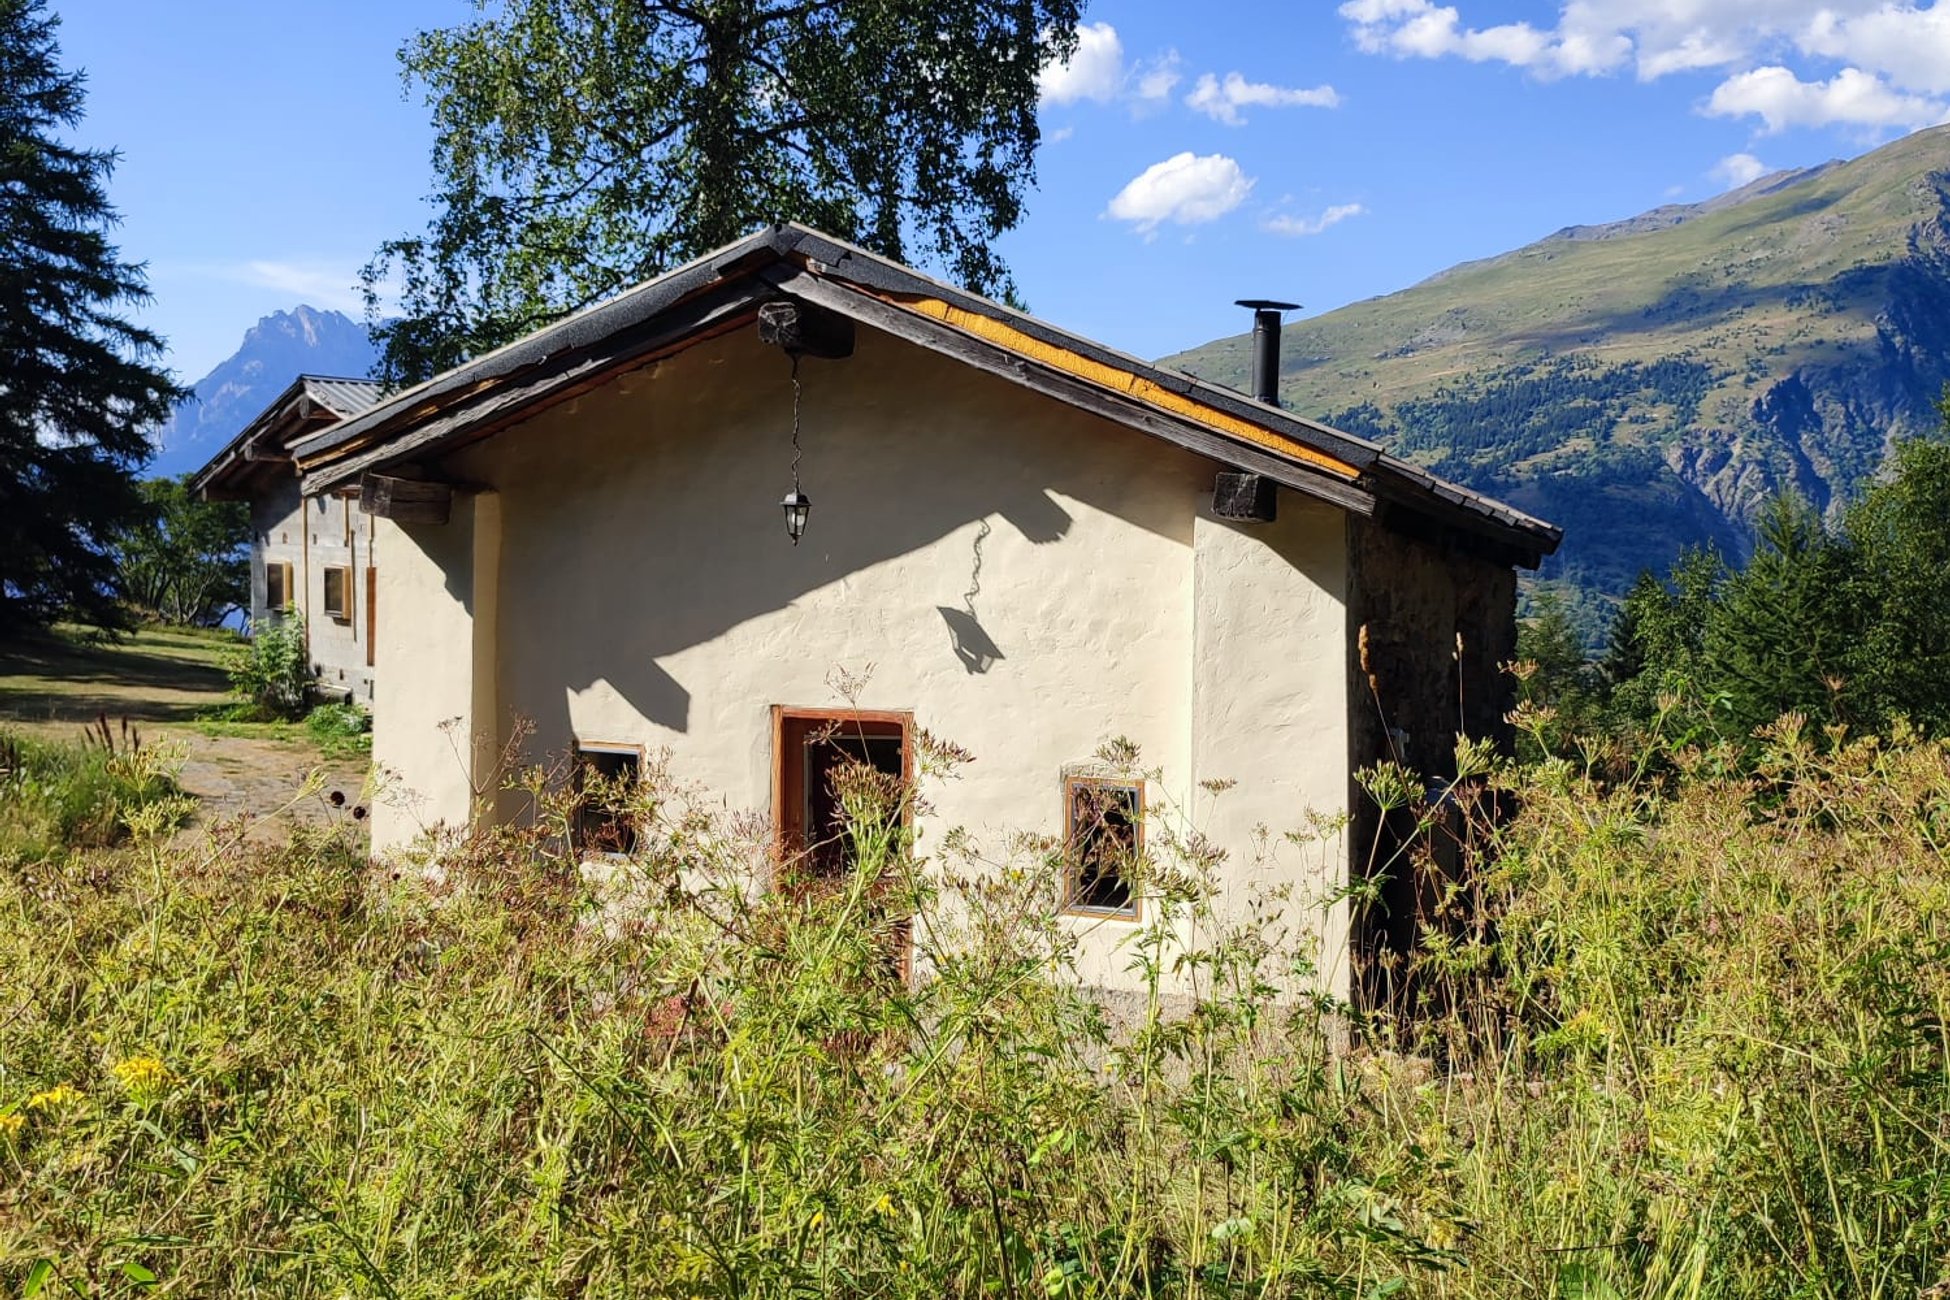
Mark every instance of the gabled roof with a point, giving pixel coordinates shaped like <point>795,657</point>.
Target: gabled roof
<point>723,290</point>
<point>311,402</point>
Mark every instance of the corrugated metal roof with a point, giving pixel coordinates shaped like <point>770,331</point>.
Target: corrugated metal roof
<point>344,398</point>
<point>334,395</point>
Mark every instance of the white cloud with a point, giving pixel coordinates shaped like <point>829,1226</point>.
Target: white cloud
<point>1153,82</point>
<point>1852,97</point>
<point>1097,71</point>
<point>1222,100</point>
<point>1183,189</point>
<point>1739,169</point>
<point>1423,29</point>
<point>1296,227</point>
<point>1094,71</point>
<point>318,282</point>
<point>1888,57</point>
<point>1910,46</point>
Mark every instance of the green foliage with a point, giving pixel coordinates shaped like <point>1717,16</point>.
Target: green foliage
<point>80,382</point>
<point>270,674</point>
<point>303,1076</point>
<point>1780,636</point>
<point>1676,1043</point>
<point>1658,641</point>
<point>1553,673</point>
<point>56,799</point>
<point>1900,590</point>
<point>1732,1036</point>
<point>341,730</point>
<point>1847,628</point>
<point>188,562</point>
<point>582,146</point>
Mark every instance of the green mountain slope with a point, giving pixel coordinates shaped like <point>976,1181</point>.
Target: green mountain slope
<point>1647,384</point>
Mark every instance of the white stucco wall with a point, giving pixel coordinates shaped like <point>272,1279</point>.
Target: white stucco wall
<point>435,739</point>
<point>1020,575</point>
<point>1269,716</point>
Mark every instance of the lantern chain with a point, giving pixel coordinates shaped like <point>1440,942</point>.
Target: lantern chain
<point>795,422</point>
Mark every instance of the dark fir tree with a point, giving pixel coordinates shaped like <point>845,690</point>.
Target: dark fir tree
<point>1779,638</point>
<point>1899,660</point>
<point>1658,640</point>
<point>584,145</point>
<point>79,385</point>
<point>1555,673</point>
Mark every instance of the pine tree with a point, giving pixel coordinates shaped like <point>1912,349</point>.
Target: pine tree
<point>1658,639</point>
<point>1779,638</point>
<point>78,382</point>
<point>1900,531</point>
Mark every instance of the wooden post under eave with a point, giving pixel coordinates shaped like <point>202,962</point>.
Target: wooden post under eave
<point>405,500</point>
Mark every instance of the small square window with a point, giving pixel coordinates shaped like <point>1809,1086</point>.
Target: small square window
<point>605,776</point>
<point>277,585</point>
<point>1103,835</point>
<point>338,593</point>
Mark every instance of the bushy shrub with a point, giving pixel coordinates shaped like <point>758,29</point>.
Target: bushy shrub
<point>340,729</point>
<point>1682,1038</point>
<point>58,798</point>
<point>270,674</point>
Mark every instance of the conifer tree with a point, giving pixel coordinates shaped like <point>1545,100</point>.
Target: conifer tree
<point>1900,533</point>
<point>1780,635</point>
<point>1658,639</point>
<point>79,385</point>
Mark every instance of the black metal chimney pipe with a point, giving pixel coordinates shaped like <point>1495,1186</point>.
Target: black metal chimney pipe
<point>1266,346</point>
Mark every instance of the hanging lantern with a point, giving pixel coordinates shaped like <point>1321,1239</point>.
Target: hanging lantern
<point>797,506</point>
<point>802,330</point>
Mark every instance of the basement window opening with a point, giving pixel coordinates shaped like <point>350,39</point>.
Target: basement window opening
<point>605,779</point>
<point>1104,834</point>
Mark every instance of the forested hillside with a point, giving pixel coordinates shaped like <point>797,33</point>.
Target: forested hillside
<point>1649,384</point>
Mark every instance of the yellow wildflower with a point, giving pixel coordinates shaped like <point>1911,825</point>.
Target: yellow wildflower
<point>11,1122</point>
<point>141,1074</point>
<point>59,1097</point>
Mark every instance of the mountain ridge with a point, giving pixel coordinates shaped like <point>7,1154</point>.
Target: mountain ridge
<point>1649,382</point>
<point>274,352</point>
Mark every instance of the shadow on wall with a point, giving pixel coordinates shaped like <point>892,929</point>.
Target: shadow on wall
<point>642,520</point>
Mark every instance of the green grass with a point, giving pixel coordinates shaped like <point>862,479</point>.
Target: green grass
<point>1686,1037</point>
<point>154,675</point>
<point>57,798</point>
<point>337,731</point>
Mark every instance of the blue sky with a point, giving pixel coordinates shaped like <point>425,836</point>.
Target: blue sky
<point>1312,150</point>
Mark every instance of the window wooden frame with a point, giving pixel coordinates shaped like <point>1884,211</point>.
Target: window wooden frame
<point>1072,885</point>
<point>790,727</point>
<point>613,748</point>
<point>342,611</point>
<point>282,568</point>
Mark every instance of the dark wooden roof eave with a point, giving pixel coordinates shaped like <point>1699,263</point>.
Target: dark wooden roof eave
<point>513,382</point>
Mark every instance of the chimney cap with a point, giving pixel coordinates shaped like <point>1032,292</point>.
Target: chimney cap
<point>1267,304</point>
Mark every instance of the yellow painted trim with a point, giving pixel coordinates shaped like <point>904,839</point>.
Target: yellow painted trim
<point>1148,391</point>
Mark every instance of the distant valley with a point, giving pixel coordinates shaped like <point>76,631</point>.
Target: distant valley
<point>1649,383</point>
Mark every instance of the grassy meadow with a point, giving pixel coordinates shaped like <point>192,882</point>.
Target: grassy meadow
<point>1683,1036</point>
